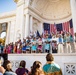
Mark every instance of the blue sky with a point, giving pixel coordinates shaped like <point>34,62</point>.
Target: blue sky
<point>7,5</point>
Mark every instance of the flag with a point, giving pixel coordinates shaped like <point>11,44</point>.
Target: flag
<point>72,31</point>
<point>38,34</point>
<point>65,27</point>
<point>53,28</point>
<point>59,27</point>
<point>71,28</point>
<point>71,23</point>
<point>46,27</point>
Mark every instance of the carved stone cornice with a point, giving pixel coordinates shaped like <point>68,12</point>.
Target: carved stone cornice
<point>53,0</point>
<point>46,9</point>
<point>16,1</point>
<point>31,1</point>
<point>8,14</point>
<point>49,19</point>
<point>20,3</point>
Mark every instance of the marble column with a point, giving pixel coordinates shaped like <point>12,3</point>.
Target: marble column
<point>31,23</point>
<point>20,25</point>
<point>27,25</point>
<point>73,9</point>
<point>8,33</point>
<point>41,27</point>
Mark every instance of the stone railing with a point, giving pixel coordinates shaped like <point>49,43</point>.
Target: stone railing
<point>67,62</point>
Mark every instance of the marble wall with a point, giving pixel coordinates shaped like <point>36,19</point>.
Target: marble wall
<point>67,62</point>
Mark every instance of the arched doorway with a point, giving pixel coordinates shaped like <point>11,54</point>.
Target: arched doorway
<point>3,31</point>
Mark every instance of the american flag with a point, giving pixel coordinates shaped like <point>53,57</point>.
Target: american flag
<point>62,27</point>
<point>71,27</point>
<point>65,26</point>
<point>53,28</point>
<point>72,31</point>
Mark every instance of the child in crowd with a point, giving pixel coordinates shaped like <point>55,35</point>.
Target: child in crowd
<point>34,45</point>
<point>8,68</point>
<point>15,48</point>
<point>37,68</point>
<point>22,70</point>
<point>34,48</point>
<point>47,47</point>
<point>24,48</point>
<point>28,47</point>
<point>39,48</point>
<point>19,47</point>
<point>54,46</point>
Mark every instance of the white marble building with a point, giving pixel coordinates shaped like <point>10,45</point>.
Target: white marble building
<point>31,14</point>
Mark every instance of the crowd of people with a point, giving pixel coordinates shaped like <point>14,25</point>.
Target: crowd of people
<point>46,43</point>
<point>50,68</point>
